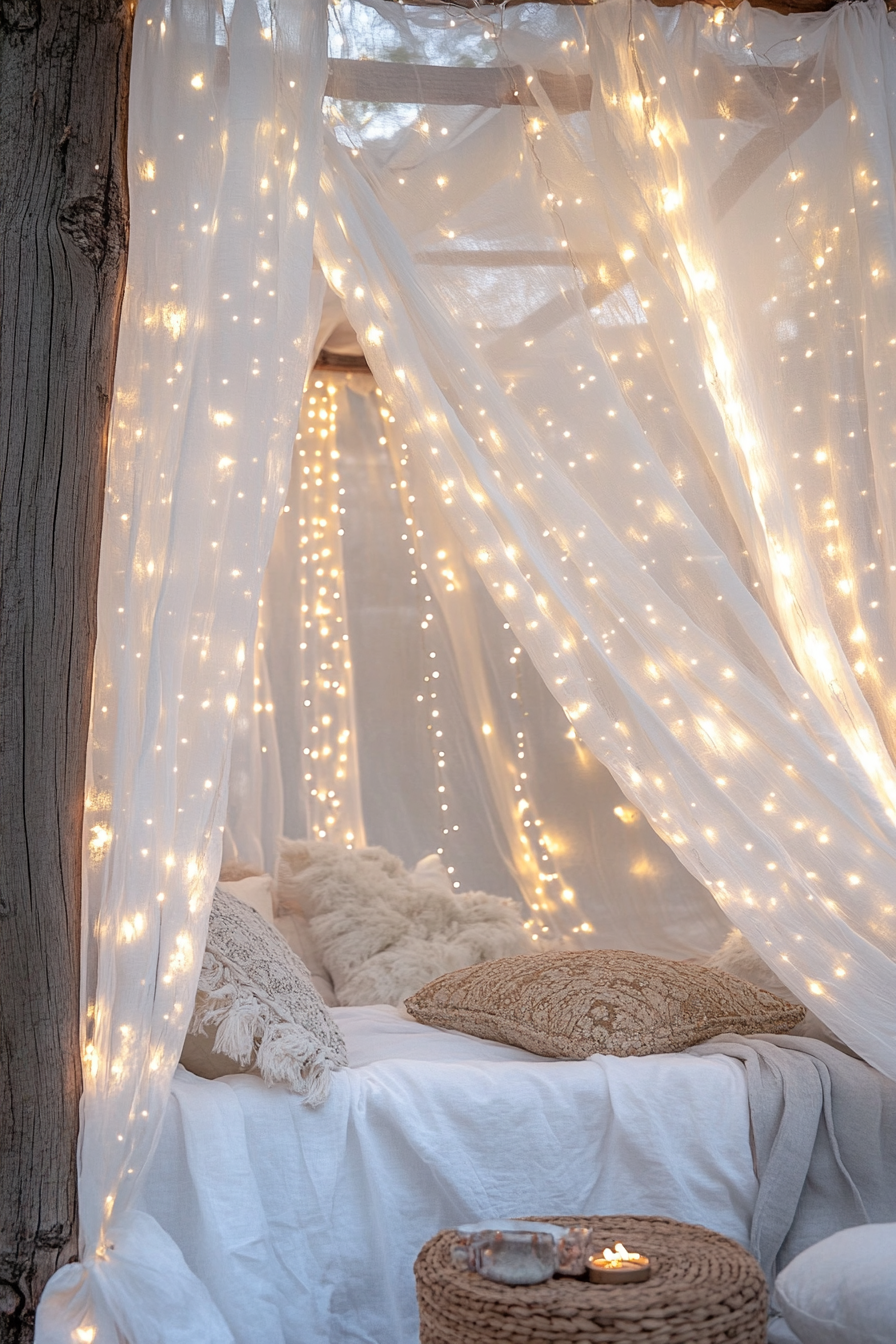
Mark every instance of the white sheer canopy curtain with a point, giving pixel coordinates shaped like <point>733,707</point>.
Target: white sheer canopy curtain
<point>224,164</point>
<point>627,278</point>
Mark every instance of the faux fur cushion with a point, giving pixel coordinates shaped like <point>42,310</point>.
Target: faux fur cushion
<point>570,1005</point>
<point>736,956</point>
<point>432,869</point>
<point>381,931</point>
<point>258,996</point>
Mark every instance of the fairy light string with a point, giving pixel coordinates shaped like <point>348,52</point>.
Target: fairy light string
<point>442,579</point>
<point>325,668</point>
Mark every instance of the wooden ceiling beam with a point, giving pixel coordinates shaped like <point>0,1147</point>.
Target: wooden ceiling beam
<point>780,6</point>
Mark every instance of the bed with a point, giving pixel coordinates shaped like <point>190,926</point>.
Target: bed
<point>304,1224</point>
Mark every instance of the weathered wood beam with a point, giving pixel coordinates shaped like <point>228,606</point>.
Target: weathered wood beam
<point>63,233</point>
<point>331,361</point>
<point>781,6</point>
<point>453,85</point>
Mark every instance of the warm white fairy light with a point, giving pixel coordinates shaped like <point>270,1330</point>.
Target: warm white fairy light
<point>428,699</point>
<point>544,882</point>
<point>535,852</point>
<point>325,662</point>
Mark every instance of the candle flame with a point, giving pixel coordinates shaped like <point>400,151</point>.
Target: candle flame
<point>619,1254</point>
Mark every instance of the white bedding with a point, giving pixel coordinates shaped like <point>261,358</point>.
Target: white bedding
<point>304,1224</point>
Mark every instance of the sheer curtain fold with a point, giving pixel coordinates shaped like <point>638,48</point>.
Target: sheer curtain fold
<point>640,345</point>
<point>699,242</point>
<point>216,332</point>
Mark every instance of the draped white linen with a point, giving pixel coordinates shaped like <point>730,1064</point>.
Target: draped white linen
<point>224,166</point>
<point>626,277</point>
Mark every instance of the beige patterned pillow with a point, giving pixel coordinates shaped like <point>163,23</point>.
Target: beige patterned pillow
<point>258,996</point>
<point>570,1005</point>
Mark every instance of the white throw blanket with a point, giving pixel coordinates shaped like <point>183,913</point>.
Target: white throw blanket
<point>824,1140</point>
<point>303,1223</point>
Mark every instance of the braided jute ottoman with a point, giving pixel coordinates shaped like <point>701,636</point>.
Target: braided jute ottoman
<point>704,1289</point>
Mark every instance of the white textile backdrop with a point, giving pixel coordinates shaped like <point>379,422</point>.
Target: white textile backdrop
<point>627,278</point>
<point>215,337</point>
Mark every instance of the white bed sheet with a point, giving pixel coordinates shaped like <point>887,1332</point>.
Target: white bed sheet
<point>304,1224</point>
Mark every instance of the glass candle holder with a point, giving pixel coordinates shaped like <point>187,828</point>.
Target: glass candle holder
<point>573,1250</point>
<point>508,1257</point>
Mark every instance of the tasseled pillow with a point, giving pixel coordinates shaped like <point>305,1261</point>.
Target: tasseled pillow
<point>259,997</point>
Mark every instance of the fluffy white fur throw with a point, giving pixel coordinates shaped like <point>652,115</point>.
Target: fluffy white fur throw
<point>737,957</point>
<point>382,932</point>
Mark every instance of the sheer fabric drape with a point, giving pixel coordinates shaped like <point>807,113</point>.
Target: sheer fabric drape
<point>626,277</point>
<point>223,164</point>
<point>442,736</point>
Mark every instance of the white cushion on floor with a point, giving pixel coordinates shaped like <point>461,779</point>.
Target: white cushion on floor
<point>843,1289</point>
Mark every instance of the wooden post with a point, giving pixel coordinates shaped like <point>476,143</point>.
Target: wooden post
<point>64,67</point>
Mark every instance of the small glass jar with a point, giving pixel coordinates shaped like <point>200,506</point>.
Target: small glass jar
<point>573,1250</point>
<point>508,1257</point>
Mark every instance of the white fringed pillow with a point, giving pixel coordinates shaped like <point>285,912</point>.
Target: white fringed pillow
<point>256,889</point>
<point>260,999</point>
<point>382,932</point>
<point>297,932</point>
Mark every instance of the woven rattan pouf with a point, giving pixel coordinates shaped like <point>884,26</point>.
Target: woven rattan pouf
<point>704,1289</point>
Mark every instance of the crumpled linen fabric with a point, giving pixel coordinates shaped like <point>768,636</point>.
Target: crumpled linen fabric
<point>426,1130</point>
<point>823,1134</point>
<point>217,325</point>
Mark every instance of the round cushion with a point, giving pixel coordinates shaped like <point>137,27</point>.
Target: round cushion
<point>843,1290</point>
<point>704,1289</point>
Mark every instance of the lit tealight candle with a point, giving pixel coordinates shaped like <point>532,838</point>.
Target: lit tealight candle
<point>618,1266</point>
